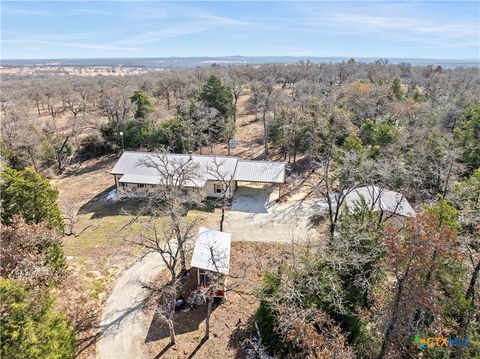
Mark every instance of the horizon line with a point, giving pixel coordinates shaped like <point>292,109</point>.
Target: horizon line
<point>241,56</point>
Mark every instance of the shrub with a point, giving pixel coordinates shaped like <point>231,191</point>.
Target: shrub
<point>27,194</point>
<point>29,328</point>
<point>93,145</point>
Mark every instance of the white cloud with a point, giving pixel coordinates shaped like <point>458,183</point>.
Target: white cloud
<point>24,12</point>
<point>163,34</point>
<point>94,12</point>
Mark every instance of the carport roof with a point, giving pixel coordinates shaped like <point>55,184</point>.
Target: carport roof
<point>260,171</point>
<point>212,251</point>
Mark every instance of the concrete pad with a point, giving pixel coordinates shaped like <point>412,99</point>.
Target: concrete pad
<point>255,216</point>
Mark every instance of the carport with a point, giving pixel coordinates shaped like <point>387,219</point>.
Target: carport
<point>260,172</point>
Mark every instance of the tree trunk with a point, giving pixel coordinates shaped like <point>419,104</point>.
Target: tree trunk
<point>180,244</point>
<point>207,319</point>
<point>222,218</point>
<point>265,134</point>
<point>394,317</point>
<point>469,296</point>
<point>59,156</point>
<point>171,330</point>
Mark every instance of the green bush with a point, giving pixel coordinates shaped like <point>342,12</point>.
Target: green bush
<point>29,328</point>
<point>27,194</point>
<point>171,134</point>
<point>93,145</point>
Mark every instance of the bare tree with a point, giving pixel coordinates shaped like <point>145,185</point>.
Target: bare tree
<point>219,171</point>
<point>337,183</point>
<point>179,178</point>
<point>163,239</point>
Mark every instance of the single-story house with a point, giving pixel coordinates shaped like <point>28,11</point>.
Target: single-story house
<point>213,175</point>
<point>212,255</point>
<point>380,199</point>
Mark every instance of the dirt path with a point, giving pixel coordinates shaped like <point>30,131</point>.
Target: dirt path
<point>125,324</point>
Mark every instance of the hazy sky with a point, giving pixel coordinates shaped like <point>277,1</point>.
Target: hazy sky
<point>447,30</point>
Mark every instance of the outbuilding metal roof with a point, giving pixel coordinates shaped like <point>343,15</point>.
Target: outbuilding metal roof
<point>156,168</point>
<point>212,251</point>
<point>260,171</point>
<point>380,199</point>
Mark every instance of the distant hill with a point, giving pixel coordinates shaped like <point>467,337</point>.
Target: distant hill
<point>186,62</point>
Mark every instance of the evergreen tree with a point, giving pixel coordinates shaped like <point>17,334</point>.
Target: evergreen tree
<point>219,97</point>
<point>28,326</point>
<point>468,135</point>
<point>143,104</point>
<point>27,194</point>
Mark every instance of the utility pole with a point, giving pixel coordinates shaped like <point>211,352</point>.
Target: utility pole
<point>121,136</point>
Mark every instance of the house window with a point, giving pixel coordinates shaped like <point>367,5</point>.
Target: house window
<point>217,188</point>
<point>203,278</point>
<point>140,185</point>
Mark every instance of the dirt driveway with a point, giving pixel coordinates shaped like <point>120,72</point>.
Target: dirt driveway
<point>255,216</point>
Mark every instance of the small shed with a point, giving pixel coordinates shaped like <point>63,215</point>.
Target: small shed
<point>380,199</point>
<point>211,255</point>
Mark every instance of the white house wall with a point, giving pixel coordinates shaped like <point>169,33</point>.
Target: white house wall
<point>210,189</point>
<point>207,191</point>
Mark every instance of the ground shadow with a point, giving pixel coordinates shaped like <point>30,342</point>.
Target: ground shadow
<point>241,332</point>
<point>100,206</point>
<point>185,320</point>
<point>103,162</point>
<point>251,200</point>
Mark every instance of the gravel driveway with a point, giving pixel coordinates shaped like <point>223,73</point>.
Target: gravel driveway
<point>125,324</point>
<point>255,216</point>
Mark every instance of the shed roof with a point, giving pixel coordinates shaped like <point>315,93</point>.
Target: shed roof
<point>260,171</point>
<point>381,199</point>
<point>212,251</point>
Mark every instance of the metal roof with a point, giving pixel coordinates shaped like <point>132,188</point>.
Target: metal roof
<point>142,167</point>
<point>212,251</point>
<point>131,178</point>
<point>381,199</point>
<point>260,171</point>
<point>138,166</point>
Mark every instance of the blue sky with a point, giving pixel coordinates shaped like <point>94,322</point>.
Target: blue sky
<point>76,29</point>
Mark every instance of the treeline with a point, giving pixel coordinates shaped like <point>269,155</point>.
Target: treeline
<point>48,122</point>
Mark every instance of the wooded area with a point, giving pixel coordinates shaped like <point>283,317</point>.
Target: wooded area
<point>366,292</point>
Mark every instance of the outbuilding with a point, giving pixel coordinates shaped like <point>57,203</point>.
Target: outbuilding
<point>380,200</point>
<point>211,255</point>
